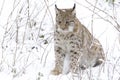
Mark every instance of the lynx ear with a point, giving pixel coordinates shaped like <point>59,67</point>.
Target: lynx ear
<point>56,6</point>
<point>56,9</point>
<point>73,10</point>
<point>74,6</point>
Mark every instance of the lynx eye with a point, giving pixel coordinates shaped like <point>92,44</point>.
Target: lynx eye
<point>67,22</point>
<point>59,22</point>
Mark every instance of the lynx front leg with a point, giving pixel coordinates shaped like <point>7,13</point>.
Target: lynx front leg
<point>74,61</point>
<point>59,56</point>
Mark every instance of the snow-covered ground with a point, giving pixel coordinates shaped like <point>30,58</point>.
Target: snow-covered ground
<point>26,38</point>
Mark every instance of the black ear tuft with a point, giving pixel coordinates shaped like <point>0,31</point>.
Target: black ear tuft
<point>74,6</point>
<point>73,10</point>
<point>56,7</point>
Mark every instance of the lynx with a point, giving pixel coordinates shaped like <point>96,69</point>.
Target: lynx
<point>75,47</point>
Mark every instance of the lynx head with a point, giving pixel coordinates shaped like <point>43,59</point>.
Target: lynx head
<point>65,19</point>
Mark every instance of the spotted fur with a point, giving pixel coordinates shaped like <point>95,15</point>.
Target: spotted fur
<point>75,47</point>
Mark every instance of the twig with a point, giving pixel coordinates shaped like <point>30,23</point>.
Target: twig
<point>2,6</point>
<point>117,28</point>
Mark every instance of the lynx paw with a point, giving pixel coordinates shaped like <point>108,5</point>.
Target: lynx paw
<point>55,72</point>
<point>83,67</point>
<point>99,62</point>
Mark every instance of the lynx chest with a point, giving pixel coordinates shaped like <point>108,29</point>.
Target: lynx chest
<point>67,40</point>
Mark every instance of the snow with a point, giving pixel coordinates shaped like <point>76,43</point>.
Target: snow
<point>66,66</point>
<point>27,46</point>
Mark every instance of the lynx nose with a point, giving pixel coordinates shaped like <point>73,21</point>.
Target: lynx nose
<point>63,27</point>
